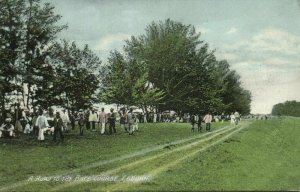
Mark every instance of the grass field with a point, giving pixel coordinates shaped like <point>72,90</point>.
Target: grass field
<point>258,155</point>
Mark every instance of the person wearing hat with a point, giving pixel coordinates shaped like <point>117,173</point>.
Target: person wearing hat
<point>7,128</point>
<point>81,122</point>
<point>58,126</point>
<point>112,121</point>
<point>34,118</point>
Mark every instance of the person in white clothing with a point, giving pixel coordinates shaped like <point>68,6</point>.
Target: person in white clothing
<point>93,119</point>
<point>28,128</point>
<point>232,118</point>
<point>42,125</point>
<point>154,118</point>
<point>207,119</point>
<point>236,117</point>
<point>65,119</point>
<point>102,120</point>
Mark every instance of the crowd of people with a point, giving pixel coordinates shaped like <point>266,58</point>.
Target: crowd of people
<point>41,122</point>
<point>56,123</point>
<point>196,120</point>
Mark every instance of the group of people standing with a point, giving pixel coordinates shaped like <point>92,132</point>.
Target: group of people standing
<point>107,121</point>
<point>235,118</point>
<point>36,123</point>
<point>42,122</point>
<point>196,120</point>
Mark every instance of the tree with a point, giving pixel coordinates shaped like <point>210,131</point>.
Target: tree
<point>11,25</point>
<point>76,75</point>
<point>288,108</point>
<point>234,97</point>
<point>116,82</point>
<point>27,29</point>
<point>183,73</point>
<point>145,95</point>
<point>40,31</point>
<point>126,82</point>
<point>177,63</point>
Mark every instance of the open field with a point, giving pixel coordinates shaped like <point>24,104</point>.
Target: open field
<point>258,155</point>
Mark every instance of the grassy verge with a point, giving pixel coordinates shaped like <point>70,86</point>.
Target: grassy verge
<point>25,157</point>
<point>263,156</point>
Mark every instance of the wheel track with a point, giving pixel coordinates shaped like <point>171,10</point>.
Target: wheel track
<point>160,169</point>
<point>185,147</point>
<point>133,155</point>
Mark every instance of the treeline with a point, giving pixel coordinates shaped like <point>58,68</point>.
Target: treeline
<point>288,108</point>
<point>168,67</point>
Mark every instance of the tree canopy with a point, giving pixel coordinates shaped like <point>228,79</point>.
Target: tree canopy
<point>53,72</point>
<point>168,67</point>
<point>180,68</point>
<point>288,108</point>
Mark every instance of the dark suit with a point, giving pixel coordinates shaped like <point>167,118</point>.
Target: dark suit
<point>58,124</point>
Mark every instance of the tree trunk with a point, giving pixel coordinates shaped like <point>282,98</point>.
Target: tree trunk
<point>2,107</point>
<point>28,96</point>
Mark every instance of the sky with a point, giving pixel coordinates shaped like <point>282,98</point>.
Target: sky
<point>259,38</point>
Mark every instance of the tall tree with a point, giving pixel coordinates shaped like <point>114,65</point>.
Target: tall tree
<point>76,75</point>
<point>116,82</point>
<point>178,63</point>
<point>234,97</point>
<point>11,26</point>
<point>172,59</point>
<point>27,29</point>
<point>41,28</point>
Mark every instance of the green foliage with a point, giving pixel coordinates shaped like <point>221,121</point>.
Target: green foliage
<point>75,80</point>
<point>178,65</point>
<point>11,25</point>
<point>288,108</point>
<point>144,94</point>
<point>27,29</point>
<point>55,74</point>
<point>116,85</point>
<point>234,97</point>
<point>40,30</point>
<point>168,67</point>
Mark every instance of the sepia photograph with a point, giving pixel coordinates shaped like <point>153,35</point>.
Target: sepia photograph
<point>149,95</point>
